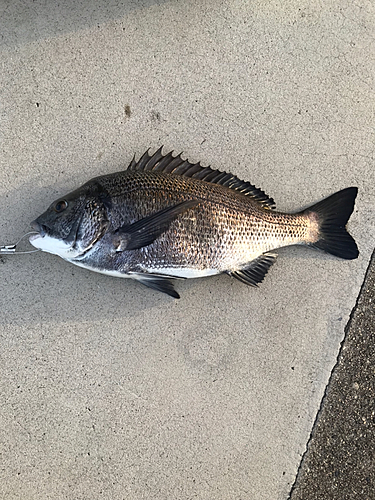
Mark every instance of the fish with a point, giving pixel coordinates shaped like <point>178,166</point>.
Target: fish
<point>164,218</point>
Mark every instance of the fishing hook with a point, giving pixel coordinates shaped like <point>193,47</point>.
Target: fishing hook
<point>12,249</point>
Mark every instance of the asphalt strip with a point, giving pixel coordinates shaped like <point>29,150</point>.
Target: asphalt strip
<point>339,462</point>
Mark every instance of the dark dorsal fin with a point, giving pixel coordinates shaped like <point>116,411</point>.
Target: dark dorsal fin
<point>176,165</point>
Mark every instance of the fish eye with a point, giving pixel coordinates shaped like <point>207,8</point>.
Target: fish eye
<point>60,206</point>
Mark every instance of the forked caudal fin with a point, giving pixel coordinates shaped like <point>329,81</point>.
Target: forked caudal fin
<point>332,214</point>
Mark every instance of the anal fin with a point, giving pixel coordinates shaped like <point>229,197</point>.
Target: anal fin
<point>255,272</point>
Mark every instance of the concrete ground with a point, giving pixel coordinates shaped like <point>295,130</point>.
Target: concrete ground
<point>340,460</point>
<point>111,390</point>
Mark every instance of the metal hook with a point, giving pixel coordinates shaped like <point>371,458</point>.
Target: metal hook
<point>11,249</point>
<point>6,249</point>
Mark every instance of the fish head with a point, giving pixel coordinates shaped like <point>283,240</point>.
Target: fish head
<point>72,224</point>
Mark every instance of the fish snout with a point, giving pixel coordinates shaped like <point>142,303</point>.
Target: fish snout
<point>38,227</point>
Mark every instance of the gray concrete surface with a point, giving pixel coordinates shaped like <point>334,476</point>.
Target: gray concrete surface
<point>110,390</point>
<point>340,461</point>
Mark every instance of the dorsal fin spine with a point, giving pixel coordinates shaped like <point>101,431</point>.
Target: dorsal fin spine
<point>176,165</point>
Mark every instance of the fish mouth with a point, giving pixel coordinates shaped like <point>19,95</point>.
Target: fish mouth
<point>39,228</point>
<point>42,240</point>
<point>43,230</point>
<point>46,240</point>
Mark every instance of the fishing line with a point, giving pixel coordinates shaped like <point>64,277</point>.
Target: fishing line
<point>12,249</point>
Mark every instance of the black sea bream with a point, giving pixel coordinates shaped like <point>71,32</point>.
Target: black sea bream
<point>166,218</point>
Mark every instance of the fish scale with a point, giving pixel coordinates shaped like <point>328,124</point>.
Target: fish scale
<point>165,217</point>
<point>226,216</point>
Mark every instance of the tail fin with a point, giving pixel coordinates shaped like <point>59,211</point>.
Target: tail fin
<point>333,213</point>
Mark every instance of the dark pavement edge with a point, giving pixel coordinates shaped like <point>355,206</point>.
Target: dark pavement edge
<point>339,462</point>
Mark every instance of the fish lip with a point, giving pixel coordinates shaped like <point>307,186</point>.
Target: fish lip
<point>43,230</point>
<point>40,228</point>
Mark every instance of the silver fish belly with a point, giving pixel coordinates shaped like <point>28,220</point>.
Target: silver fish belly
<point>166,218</point>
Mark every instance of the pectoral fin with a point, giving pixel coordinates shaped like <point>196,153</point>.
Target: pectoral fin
<point>256,271</point>
<point>146,230</point>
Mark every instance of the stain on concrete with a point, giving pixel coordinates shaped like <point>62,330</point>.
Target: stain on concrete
<point>127,111</point>
<point>155,116</point>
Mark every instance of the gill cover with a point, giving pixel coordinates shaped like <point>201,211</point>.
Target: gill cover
<point>92,225</point>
